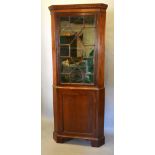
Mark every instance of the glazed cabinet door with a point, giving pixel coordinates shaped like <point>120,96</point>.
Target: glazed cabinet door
<point>77,38</point>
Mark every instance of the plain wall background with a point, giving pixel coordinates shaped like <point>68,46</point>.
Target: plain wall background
<point>46,59</point>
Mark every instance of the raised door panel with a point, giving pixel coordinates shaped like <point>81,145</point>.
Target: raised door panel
<point>77,112</point>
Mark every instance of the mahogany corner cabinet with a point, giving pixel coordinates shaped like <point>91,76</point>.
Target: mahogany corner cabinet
<point>78,53</point>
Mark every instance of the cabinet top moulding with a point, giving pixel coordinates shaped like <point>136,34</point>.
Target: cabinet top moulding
<point>78,6</point>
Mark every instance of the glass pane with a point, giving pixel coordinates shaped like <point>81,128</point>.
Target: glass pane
<point>76,75</point>
<point>77,49</point>
<point>64,78</point>
<point>64,50</point>
<point>89,36</point>
<point>65,65</point>
<point>77,20</point>
<point>89,21</point>
<point>66,39</point>
<point>89,51</point>
<point>89,78</point>
<point>64,22</point>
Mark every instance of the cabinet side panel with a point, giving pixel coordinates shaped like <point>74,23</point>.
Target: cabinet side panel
<point>101,107</point>
<point>101,48</point>
<point>55,109</point>
<point>54,55</point>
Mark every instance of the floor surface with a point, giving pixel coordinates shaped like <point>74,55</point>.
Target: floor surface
<point>75,146</point>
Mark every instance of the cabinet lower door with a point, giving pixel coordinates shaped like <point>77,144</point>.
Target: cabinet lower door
<point>76,112</point>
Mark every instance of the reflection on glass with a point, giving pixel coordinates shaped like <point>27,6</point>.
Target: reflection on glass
<point>89,36</point>
<point>89,21</point>
<point>76,20</point>
<point>64,22</point>
<point>77,47</point>
<point>64,50</point>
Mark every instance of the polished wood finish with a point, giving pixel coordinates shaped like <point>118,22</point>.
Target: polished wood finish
<point>79,108</point>
<point>78,6</point>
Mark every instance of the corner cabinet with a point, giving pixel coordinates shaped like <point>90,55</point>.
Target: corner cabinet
<point>78,50</point>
